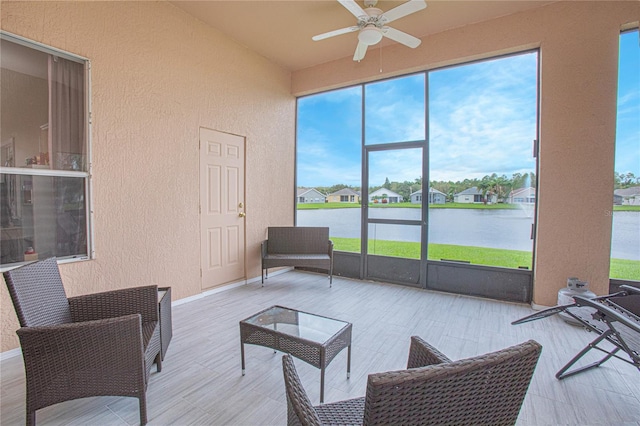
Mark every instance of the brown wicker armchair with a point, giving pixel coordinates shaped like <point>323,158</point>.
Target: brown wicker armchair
<point>93,345</point>
<point>483,390</point>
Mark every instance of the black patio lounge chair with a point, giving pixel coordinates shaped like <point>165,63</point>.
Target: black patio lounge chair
<point>614,317</point>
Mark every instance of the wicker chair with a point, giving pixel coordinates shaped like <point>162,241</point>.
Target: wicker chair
<point>484,390</point>
<point>93,345</point>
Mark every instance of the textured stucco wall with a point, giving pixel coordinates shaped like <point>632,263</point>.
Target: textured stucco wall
<point>158,75</point>
<point>578,44</point>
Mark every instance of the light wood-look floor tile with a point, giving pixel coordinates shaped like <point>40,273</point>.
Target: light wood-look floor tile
<point>201,381</point>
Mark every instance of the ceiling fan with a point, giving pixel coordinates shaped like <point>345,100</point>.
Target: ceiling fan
<point>372,27</point>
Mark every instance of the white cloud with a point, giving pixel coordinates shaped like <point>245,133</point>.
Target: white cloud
<point>482,121</point>
<point>397,165</point>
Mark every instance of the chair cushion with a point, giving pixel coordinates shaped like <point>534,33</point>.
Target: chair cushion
<point>349,412</point>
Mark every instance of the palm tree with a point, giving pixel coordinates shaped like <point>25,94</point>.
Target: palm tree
<point>501,186</point>
<point>485,186</point>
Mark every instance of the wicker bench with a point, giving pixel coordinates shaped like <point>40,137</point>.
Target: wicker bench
<point>308,247</point>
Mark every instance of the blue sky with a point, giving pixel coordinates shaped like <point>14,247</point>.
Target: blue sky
<point>481,121</point>
<point>628,126</point>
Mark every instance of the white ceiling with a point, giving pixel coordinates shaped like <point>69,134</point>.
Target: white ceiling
<point>281,30</point>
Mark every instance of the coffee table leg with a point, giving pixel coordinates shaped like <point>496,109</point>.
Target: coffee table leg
<point>242,354</point>
<point>349,361</point>
<point>321,385</point>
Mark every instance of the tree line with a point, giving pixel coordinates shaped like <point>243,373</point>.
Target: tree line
<point>490,185</point>
<point>625,180</point>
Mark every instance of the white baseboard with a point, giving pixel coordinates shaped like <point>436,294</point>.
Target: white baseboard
<point>10,354</point>
<point>225,288</point>
<point>537,307</point>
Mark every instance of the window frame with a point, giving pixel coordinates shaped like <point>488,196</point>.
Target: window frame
<point>86,175</point>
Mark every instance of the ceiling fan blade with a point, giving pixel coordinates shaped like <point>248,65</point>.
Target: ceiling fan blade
<point>334,33</point>
<point>403,10</point>
<point>401,37</point>
<point>353,7</point>
<point>361,50</point>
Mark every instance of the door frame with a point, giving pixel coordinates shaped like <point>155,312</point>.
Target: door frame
<point>200,203</point>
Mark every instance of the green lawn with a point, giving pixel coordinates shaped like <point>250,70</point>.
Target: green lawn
<point>626,208</point>
<point>624,269</point>
<point>316,206</point>
<point>620,268</point>
<point>476,255</point>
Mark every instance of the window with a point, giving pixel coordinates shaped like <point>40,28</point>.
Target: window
<point>330,123</point>
<point>482,124</point>
<point>469,128</point>
<point>625,239</point>
<point>44,161</point>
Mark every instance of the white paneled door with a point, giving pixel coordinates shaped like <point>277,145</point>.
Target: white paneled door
<point>222,209</point>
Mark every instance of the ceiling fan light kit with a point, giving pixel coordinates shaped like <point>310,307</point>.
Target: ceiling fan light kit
<point>370,35</point>
<point>371,25</point>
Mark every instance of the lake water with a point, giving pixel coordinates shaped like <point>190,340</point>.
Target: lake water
<point>505,229</point>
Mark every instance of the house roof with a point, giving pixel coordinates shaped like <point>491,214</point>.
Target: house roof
<point>519,191</point>
<point>302,191</point>
<point>431,191</point>
<point>470,191</point>
<point>628,192</point>
<point>345,191</point>
<point>381,191</point>
<point>281,31</point>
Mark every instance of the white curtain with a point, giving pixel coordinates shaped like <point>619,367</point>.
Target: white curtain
<point>67,151</point>
<point>66,114</point>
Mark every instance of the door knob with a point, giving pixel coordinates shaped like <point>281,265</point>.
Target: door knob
<point>242,214</point>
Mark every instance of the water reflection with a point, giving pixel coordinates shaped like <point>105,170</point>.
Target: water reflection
<point>503,229</point>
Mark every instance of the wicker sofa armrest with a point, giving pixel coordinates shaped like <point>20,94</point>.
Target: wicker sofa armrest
<point>82,355</point>
<point>422,354</point>
<point>263,248</point>
<point>330,252</point>
<point>116,303</point>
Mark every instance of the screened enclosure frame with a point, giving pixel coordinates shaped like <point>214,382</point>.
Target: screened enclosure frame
<point>486,281</point>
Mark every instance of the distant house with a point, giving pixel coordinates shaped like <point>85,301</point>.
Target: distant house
<point>416,197</point>
<point>522,196</point>
<point>617,199</point>
<point>435,197</point>
<point>310,195</point>
<point>345,195</point>
<point>473,195</point>
<point>627,196</point>
<point>385,194</point>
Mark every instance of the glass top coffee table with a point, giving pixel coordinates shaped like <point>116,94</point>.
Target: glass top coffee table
<point>312,338</point>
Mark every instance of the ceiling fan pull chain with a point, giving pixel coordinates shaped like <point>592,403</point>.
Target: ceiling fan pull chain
<point>380,48</point>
